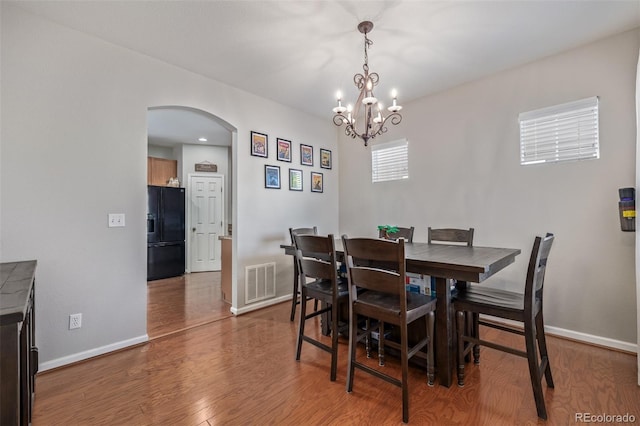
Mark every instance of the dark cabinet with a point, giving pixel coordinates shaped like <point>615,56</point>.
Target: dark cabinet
<point>18,353</point>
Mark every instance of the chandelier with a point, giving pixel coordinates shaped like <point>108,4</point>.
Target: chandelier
<point>373,122</point>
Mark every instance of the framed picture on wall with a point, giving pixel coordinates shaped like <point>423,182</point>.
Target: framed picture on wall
<point>325,158</point>
<point>272,177</point>
<point>259,144</point>
<point>317,184</point>
<point>295,180</point>
<point>284,149</point>
<point>306,155</point>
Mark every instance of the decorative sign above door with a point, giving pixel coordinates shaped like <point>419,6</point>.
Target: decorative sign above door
<point>206,166</point>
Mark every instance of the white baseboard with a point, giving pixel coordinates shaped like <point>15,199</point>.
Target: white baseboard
<point>591,339</point>
<point>576,335</point>
<point>260,305</point>
<point>81,356</point>
<point>553,331</point>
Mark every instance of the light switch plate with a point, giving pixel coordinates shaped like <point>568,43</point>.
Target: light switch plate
<point>116,220</point>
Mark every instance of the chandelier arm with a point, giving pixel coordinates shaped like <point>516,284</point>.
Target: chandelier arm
<point>395,118</point>
<point>339,119</point>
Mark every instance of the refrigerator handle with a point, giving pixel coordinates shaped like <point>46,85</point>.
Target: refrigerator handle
<point>151,223</point>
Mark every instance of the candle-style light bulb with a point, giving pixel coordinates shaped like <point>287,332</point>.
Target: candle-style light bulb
<point>395,107</point>
<point>339,109</point>
<point>378,118</point>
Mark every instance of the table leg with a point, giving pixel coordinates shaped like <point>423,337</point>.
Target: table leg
<point>444,332</point>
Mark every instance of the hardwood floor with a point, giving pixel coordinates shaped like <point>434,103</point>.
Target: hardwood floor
<point>241,371</point>
<point>176,304</point>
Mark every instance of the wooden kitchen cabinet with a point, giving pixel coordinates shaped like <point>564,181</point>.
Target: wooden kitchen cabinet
<point>18,353</point>
<point>225,273</point>
<point>160,170</point>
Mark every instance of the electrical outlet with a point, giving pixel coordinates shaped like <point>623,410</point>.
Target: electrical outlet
<point>75,321</point>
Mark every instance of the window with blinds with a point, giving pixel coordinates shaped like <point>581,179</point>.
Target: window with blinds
<point>390,161</point>
<point>564,132</point>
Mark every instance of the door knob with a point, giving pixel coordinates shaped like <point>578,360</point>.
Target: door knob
<point>193,229</point>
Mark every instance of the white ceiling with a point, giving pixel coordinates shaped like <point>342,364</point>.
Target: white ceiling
<point>299,53</point>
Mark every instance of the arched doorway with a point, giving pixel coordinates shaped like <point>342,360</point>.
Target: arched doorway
<point>188,137</point>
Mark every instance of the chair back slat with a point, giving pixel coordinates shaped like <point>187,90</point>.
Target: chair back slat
<point>315,268</point>
<point>406,233</point>
<point>377,280</point>
<point>534,284</point>
<point>302,231</point>
<point>450,235</point>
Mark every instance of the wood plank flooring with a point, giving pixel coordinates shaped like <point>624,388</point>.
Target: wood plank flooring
<point>241,371</point>
<point>176,304</point>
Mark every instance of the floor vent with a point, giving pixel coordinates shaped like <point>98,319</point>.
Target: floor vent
<point>260,282</point>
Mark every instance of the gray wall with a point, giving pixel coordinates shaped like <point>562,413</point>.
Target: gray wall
<point>74,148</point>
<point>465,172</point>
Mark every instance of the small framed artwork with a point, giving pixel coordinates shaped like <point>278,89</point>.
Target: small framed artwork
<point>295,180</point>
<point>259,144</point>
<point>272,177</point>
<point>284,149</point>
<point>317,183</point>
<point>325,158</point>
<point>306,155</point>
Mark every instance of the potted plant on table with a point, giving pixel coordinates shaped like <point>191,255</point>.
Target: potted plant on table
<point>387,230</point>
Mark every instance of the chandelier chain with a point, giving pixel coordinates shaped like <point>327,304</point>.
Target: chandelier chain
<point>367,43</point>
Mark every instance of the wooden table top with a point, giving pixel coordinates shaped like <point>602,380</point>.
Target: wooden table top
<point>474,264</point>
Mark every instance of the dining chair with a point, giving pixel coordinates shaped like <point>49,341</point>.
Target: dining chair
<point>524,308</point>
<point>296,274</point>
<point>406,233</point>
<point>319,280</point>
<point>378,267</point>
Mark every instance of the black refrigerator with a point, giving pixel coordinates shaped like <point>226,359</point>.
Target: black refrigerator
<point>165,232</point>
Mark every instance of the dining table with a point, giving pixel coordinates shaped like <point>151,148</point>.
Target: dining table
<point>445,262</point>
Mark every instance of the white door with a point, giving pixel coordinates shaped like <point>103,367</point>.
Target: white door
<point>206,207</point>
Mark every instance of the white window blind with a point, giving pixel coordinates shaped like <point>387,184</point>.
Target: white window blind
<point>560,133</point>
<point>390,161</point>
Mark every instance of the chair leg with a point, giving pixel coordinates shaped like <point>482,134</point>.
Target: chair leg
<point>334,342</point>
<point>475,327</point>
<point>534,368</point>
<point>353,342</point>
<point>430,362</point>
<point>461,326</point>
<point>294,298</point>
<point>367,337</point>
<point>381,344</point>
<point>404,359</point>
<point>542,345</point>
<point>468,329</point>
<point>303,319</point>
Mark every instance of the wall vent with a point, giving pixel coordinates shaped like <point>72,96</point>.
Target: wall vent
<point>260,282</point>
